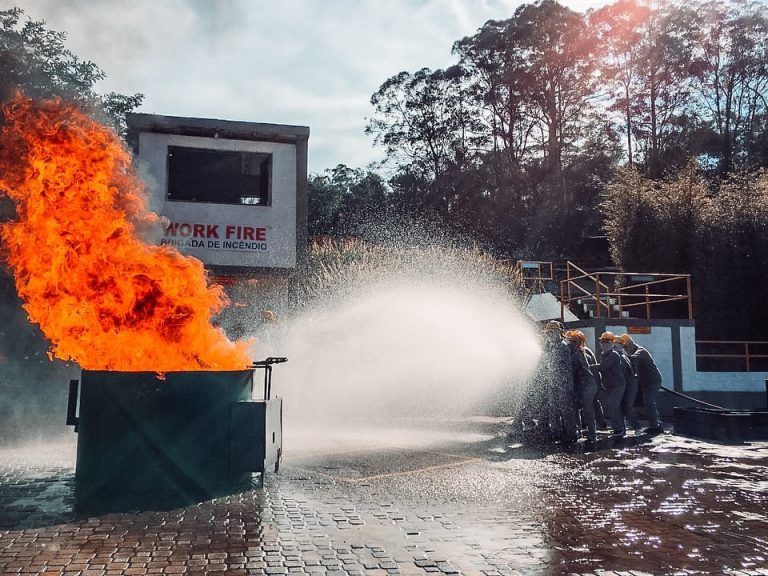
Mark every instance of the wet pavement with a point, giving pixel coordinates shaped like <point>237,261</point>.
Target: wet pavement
<point>465,500</point>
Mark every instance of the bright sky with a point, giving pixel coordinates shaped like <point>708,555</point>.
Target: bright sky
<point>313,63</point>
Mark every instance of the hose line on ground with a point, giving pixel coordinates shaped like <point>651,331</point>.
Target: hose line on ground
<point>692,399</point>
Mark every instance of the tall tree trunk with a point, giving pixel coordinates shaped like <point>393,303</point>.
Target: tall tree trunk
<point>726,160</point>
<point>628,110</point>
<point>654,170</point>
<point>555,164</point>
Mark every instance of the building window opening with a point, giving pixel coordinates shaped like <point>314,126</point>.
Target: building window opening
<point>219,176</point>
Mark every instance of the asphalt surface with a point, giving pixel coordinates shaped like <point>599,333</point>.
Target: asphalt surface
<point>449,498</point>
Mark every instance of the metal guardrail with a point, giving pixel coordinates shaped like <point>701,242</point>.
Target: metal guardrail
<point>534,274</point>
<point>618,294</point>
<point>738,355</point>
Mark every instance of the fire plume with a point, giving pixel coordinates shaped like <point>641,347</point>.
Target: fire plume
<point>102,296</point>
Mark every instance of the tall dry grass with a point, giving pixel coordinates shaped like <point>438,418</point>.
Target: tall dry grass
<point>335,266</point>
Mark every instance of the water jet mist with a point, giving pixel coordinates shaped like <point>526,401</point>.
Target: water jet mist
<point>420,339</point>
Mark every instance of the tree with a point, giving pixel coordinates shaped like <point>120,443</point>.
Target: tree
<point>732,75</point>
<point>497,85</point>
<point>534,79</point>
<point>651,224</point>
<point>556,68</point>
<point>617,31</point>
<point>720,237</point>
<point>663,103</point>
<point>490,61</point>
<point>646,52</point>
<point>732,246</point>
<point>35,60</point>
<point>324,204</point>
<point>424,122</point>
<point>345,201</point>
<point>516,143</point>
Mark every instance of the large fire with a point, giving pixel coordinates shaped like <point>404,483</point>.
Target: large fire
<point>103,297</point>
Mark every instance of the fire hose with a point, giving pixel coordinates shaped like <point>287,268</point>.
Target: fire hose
<point>681,395</point>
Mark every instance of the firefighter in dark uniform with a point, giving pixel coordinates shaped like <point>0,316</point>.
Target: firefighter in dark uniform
<point>585,379</point>
<point>630,388</point>
<point>648,380</point>
<point>547,411</point>
<point>612,374</point>
<point>561,392</point>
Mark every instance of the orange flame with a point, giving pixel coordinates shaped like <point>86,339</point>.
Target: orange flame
<point>102,297</point>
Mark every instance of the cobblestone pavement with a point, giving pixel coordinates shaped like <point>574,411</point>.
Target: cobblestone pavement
<point>453,504</point>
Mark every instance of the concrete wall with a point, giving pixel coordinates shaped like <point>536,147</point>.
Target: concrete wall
<point>277,220</point>
<point>672,343</point>
<point>274,235</point>
<point>714,381</point>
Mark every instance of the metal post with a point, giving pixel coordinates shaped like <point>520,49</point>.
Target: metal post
<point>647,304</point>
<point>690,297</point>
<point>562,305</point>
<point>746,354</point>
<point>618,296</point>
<point>267,381</point>
<point>598,301</point>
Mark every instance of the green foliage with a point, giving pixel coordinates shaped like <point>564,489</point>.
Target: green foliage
<point>640,212</point>
<point>730,71</point>
<point>423,119</point>
<point>344,200</point>
<point>521,143</point>
<point>35,60</point>
<point>517,142</point>
<point>720,237</point>
<point>732,243</point>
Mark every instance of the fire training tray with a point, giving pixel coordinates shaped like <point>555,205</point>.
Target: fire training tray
<point>149,442</point>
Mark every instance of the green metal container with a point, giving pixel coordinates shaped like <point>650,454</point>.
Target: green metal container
<point>149,442</point>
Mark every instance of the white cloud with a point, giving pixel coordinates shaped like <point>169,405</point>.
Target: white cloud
<point>305,62</point>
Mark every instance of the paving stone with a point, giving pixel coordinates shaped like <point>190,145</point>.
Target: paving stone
<point>612,517</point>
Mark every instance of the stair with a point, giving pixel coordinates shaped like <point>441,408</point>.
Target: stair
<point>588,308</point>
